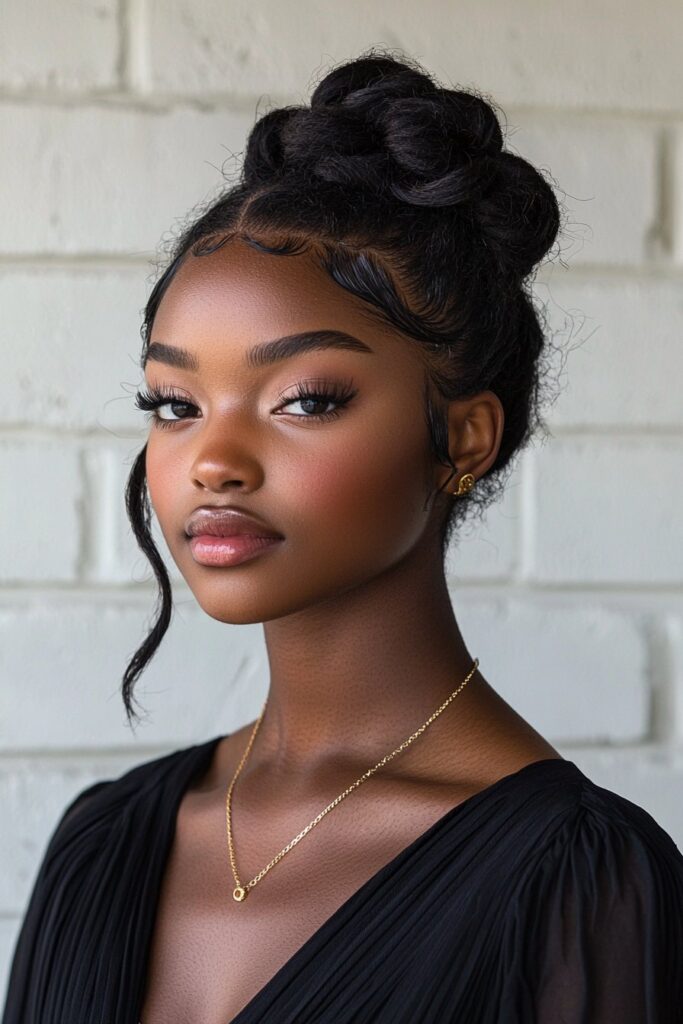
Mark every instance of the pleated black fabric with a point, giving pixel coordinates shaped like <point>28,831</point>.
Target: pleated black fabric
<point>542,899</point>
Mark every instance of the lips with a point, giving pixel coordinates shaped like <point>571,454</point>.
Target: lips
<point>227,522</point>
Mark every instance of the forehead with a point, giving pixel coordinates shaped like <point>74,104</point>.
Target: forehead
<point>225,304</point>
<point>241,288</point>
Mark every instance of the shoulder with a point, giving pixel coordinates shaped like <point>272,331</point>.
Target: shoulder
<point>585,864</point>
<point>556,830</point>
<point>597,921</point>
<point>607,873</point>
<point>99,806</point>
<point>106,828</point>
<point>587,835</point>
<point>565,811</point>
<point>600,823</point>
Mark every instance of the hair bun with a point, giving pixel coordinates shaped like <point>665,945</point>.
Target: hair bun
<point>380,126</point>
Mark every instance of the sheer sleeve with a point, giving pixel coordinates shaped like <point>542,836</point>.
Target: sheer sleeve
<point>604,923</point>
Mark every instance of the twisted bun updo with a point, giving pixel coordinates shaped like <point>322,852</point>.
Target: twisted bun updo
<point>382,130</point>
<point>404,192</point>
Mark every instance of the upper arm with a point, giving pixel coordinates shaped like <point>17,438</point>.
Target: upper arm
<point>603,928</point>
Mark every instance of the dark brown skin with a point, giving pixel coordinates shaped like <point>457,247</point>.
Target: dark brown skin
<point>362,641</point>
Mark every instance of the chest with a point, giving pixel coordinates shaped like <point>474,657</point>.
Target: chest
<point>208,961</point>
<point>210,955</point>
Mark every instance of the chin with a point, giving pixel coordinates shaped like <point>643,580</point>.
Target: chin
<point>241,606</point>
<point>266,599</point>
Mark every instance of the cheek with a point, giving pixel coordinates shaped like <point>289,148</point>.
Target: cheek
<point>163,473</point>
<point>364,491</point>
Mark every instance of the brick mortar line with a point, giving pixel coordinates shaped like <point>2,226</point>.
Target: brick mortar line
<point>665,216</point>
<point>78,261</point>
<point>153,103</point>
<point>661,673</point>
<point>125,28</point>
<point>160,101</point>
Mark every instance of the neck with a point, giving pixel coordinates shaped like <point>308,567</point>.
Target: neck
<point>355,676</point>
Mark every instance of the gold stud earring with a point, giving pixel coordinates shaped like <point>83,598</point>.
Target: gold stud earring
<point>465,484</point>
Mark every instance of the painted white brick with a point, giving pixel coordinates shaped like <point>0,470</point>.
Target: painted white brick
<point>488,550</point>
<point>206,678</point>
<point>620,342</point>
<point>607,510</point>
<point>9,932</point>
<point>676,212</point>
<point>526,53</point>
<point>649,777</point>
<point>67,45</point>
<point>575,670</point>
<point>674,625</point>
<point>34,792</point>
<point>71,344</point>
<point>606,175</point>
<point>40,499</point>
<point>116,557</point>
<point>105,179</point>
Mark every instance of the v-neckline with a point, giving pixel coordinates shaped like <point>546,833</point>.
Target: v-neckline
<point>203,754</point>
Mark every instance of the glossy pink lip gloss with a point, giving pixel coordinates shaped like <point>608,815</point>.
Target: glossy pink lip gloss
<point>208,550</point>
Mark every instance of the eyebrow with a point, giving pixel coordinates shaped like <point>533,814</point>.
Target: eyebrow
<point>265,354</point>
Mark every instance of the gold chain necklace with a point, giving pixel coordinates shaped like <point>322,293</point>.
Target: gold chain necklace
<point>240,891</point>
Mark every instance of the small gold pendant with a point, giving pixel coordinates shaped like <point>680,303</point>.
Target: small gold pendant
<point>239,893</point>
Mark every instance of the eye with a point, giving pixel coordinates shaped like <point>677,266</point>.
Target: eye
<point>307,393</point>
<point>321,393</point>
<point>154,399</point>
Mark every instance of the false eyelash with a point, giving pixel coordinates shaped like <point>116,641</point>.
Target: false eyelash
<point>150,399</point>
<point>327,391</point>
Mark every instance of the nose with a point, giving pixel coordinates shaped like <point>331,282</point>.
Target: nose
<point>225,460</point>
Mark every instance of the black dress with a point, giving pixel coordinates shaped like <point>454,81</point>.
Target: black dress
<point>542,899</point>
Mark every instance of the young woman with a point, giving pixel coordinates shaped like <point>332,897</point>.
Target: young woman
<point>341,362</point>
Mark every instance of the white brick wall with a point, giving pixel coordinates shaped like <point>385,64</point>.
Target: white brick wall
<point>41,493</point>
<point>64,45</point>
<point>72,333</point>
<point>101,179</point>
<point>603,167</point>
<point>627,331</point>
<point>592,55</point>
<point>117,118</point>
<point>582,483</point>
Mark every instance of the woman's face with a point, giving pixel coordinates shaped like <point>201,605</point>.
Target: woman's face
<point>348,492</point>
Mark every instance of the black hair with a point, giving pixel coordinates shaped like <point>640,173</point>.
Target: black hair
<point>404,193</point>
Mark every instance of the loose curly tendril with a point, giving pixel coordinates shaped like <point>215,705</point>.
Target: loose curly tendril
<point>404,193</point>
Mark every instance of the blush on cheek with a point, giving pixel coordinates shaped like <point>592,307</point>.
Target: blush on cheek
<point>334,481</point>
<point>349,493</point>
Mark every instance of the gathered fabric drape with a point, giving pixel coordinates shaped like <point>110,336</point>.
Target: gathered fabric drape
<point>542,899</point>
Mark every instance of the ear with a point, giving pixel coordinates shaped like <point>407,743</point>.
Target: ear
<point>475,430</point>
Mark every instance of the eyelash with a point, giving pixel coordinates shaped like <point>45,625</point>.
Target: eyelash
<point>153,398</point>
